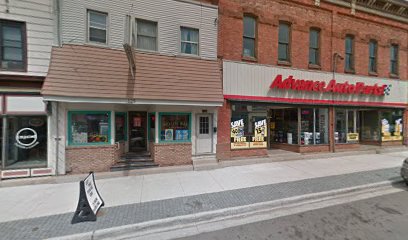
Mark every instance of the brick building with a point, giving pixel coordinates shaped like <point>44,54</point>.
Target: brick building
<point>309,76</point>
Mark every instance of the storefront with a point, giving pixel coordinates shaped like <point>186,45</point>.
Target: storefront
<point>307,111</point>
<point>160,113</point>
<point>24,136</point>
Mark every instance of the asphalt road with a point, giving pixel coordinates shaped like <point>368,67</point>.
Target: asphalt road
<point>384,217</point>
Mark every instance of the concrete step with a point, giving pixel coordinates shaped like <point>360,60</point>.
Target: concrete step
<point>391,149</point>
<point>132,165</point>
<point>203,167</point>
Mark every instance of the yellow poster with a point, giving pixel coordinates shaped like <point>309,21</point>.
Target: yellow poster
<point>352,137</point>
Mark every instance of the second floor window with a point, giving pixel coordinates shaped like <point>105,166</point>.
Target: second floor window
<point>349,56</point>
<point>12,46</point>
<point>97,27</point>
<point>314,42</point>
<point>284,42</point>
<point>146,35</point>
<point>249,37</point>
<point>372,61</point>
<point>394,59</point>
<point>189,40</point>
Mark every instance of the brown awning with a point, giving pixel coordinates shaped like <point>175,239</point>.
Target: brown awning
<point>95,72</point>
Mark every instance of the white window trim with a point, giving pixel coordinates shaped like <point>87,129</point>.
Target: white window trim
<point>88,26</point>
<point>181,41</point>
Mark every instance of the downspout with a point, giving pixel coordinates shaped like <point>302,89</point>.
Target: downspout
<point>57,138</point>
<point>58,19</point>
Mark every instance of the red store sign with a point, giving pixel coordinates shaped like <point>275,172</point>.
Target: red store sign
<point>321,86</point>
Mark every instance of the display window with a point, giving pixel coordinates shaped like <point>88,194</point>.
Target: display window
<point>248,126</point>
<point>88,128</point>
<point>284,125</point>
<point>25,144</point>
<point>346,126</point>
<point>314,125</point>
<point>120,126</point>
<point>370,128</point>
<point>175,127</point>
<point>391,125</point>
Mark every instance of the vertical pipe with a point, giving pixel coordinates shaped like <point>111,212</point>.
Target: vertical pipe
<point>4,143</point>
<point>57,138</point>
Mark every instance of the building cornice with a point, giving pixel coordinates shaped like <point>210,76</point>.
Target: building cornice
<point>392,9</point>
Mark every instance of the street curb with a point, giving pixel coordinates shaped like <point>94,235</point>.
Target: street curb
<point>188,221</point>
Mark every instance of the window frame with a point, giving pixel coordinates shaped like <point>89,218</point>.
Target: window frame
<point>289,43</point>
<point>318,30</point>
<point>136,19</point>
<point>69,130</point>
<point>249,37</point>
<point>352,54</point>
<point>23,29</point>
<point>396,61</point>
<point>181,41</point>
<point>161,114</point>
<point>88,27</point>
<point>375,57</point>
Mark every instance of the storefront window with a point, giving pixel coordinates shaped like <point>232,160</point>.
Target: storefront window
<point>284,125</point>
<point>88,128</point>
<point>152,127</point>
<point>26,143</point>
<point>120,127</point>
<point>370,125</point>
<point>313,126</point>
<point>391,125</point>
<point>248,126</point>
<point>346,126</point>
<point>175,127</point>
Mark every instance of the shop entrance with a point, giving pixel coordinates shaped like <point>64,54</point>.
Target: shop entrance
<point>204,133</point>
<point>137,131</point>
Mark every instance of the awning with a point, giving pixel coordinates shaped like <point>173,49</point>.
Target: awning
<point>94,72</point>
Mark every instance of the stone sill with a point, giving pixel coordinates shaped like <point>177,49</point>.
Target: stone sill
<point>171,144</point>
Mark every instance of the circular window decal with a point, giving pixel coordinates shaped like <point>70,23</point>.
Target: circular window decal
<point>26,138</point>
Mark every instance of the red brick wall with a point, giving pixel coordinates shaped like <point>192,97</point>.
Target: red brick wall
<point>347,146</point>
<point>170,154</point>
<point>334,21</point>
<point>91,158</point>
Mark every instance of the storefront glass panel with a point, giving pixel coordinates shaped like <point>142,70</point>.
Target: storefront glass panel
<point>120,127</point>
<point>284,126</point>
<point>88,128</point>
<point>370,128</point>
<point>26,144</point>
<point>175,127</point>
<point>391,125</point>
<point>340,133</point>
<point>313,129</point>
<point>248,126</point>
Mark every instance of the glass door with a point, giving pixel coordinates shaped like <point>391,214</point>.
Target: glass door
<point>137,131</point>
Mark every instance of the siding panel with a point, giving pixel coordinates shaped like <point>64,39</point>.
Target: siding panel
<point>170,15</point>
<point>39,18</point>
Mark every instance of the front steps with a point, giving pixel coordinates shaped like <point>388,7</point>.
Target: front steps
<point>132,160</point>
<point>205,162</point>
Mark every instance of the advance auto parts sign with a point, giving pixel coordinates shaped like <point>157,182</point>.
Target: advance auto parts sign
<point>332,87</point>
<point>26,138</point>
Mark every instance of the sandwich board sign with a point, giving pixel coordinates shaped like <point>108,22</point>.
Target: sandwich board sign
<point>89,202</point>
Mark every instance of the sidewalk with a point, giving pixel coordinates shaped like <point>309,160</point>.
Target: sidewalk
<point>43,211</point>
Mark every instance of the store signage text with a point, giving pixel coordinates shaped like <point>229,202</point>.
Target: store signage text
<point>321,86</point>
<point>26,138</point>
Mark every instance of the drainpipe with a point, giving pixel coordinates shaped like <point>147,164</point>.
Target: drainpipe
<point>57,138</point>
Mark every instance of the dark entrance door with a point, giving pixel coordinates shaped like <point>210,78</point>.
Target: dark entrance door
<point>137,131</point>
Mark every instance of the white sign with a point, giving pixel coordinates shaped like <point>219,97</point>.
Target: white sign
<point>94,200</point>
<point>26,138</point>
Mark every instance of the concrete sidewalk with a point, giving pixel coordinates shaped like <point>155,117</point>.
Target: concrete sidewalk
<point>34,201</point>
